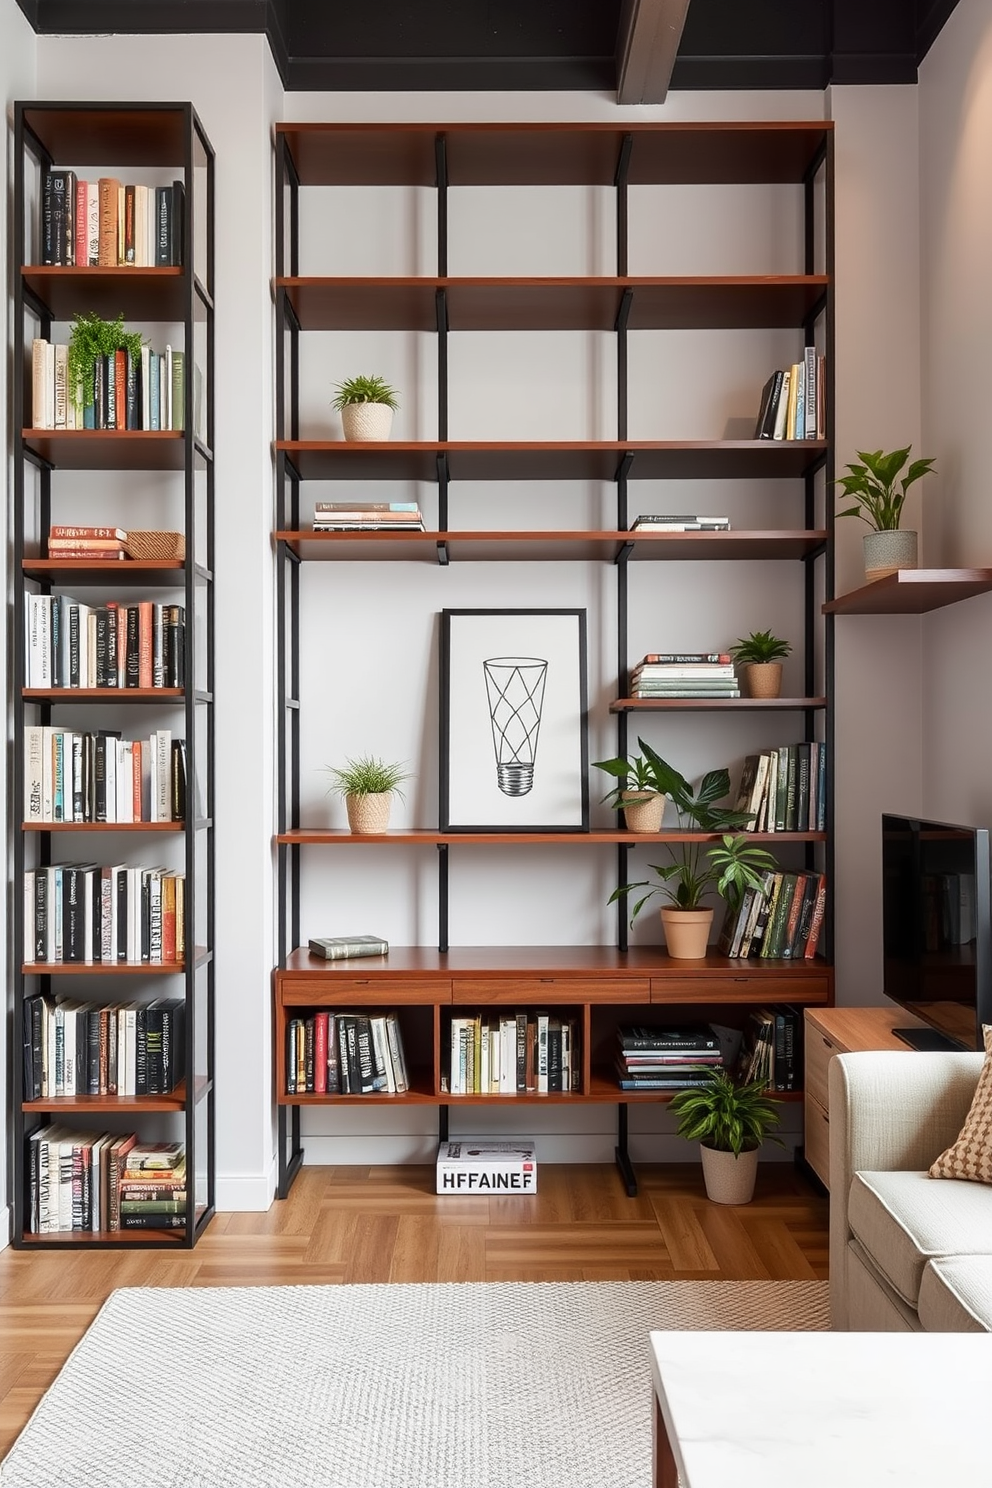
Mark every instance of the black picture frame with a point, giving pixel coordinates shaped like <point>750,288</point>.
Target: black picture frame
<point>514,723</point>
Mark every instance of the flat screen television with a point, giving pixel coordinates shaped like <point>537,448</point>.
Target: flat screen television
<point>937,929</point>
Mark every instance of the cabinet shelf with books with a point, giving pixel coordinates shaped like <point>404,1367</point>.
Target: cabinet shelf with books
<point>113,1082</point>
<point>439,309</point>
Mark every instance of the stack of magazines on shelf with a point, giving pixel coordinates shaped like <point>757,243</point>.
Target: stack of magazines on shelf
<point>780,921</point>
<point>367,516</point>
<point>684,674</point>
<point>680,522</point>
<point>650,1058</point>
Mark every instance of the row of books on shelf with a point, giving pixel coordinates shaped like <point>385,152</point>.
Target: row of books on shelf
<point>513,1053</point>
<point>785,789</point>
<point>123,391</point>
<point>110,223</point>
<point>792,402</point>
<point>781,920</point>
<point>772,1048</point>
<point>367,516</point>
<point>680,522</point>
<point>84,913</point>
<point>125,1049</point>
<point>696,674</point>
<point>99,1181</point>
<point>118,644</point>
<point>79,777</point>
<point>347,1053</point>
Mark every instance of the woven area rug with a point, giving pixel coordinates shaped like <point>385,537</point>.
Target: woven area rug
<point>504,1385</point>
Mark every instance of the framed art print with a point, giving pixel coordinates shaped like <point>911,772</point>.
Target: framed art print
<point>514,723</point>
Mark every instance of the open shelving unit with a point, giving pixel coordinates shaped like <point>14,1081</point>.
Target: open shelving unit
<point>599,985</point>
<point>156,144</point>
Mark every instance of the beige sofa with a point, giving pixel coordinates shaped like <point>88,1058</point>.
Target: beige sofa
<point>907,1252</point>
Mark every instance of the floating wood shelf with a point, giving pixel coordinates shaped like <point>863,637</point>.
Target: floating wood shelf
<point>545,547</point>
<point>913,591</point>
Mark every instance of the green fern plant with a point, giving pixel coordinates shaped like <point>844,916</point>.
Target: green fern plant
<point>92,336</point>
<point>726,1116</point>
<point>364,390</point>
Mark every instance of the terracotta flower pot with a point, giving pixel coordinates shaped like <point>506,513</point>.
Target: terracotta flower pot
<point>687,932</point>
<point>887,552</point>
<point>645,811</point>
<point>729,1179</point>
<point>369,814</point>
<point>762,679</point>
<point>366,423</point>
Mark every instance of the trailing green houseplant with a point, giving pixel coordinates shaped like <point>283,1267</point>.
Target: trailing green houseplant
<point>368,785</point>
<point>729,1121</point>
<point>90,337</point>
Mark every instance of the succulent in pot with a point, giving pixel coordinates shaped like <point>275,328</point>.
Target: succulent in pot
<point>759,655</point>
<point>366,405</point>
<point>368,785</point>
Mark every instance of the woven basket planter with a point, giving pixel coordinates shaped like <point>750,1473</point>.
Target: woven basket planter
<point>369,814</point>
<point>644,815</point>
<point>729,1179</point>
<point>762,679</point>
<point>144,546</point>
<point>366,423</point>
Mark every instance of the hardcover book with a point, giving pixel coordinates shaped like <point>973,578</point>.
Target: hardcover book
<point>487,1165</point>
<point>341,947</point>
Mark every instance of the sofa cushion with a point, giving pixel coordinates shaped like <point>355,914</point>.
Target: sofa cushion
<point>902,1221</point>
<point>970,1156</point>
<point>956,1295</point>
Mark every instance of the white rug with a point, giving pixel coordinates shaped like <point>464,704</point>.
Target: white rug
<point>506,1385</point>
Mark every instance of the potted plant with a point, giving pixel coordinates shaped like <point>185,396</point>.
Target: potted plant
<point>759,656</point>
<point>639,792</point>
<point>92,337</point>
<point>730,1122</point>
<point>366,406</point>
<point>878,494</point>
<point>368,785</point>
<point>728,866</point>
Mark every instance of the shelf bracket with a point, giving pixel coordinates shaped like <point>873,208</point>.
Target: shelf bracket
<point>442,1124</point>
<point>622,1155</point>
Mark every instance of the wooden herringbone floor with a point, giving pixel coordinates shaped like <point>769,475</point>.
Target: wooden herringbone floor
<point>385,1224</point>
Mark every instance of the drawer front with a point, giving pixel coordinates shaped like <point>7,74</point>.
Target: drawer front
<point>757,988</point>
<point>817,1139</point>
<point>537,990</point>
<point>360,991</point>
<point>819,1051</point>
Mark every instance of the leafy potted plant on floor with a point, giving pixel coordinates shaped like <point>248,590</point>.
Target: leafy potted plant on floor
<point>368,785</point>
<point>728,866</point>
<point>878,496</point>
<point>730,1122</point>
<point>759,656</point>
<point>639,792</point>
<point>366,406</point>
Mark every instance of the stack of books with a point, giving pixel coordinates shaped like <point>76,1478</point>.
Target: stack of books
<point>771,1049</point>
<point>367,516</point>
<point>152,1188</point>
<point>792,405</point>
<point>345,1054</point>
<point>487,1165</point>
<point>666,1058</point>
<point>681,522</point>
<point>684,674</point>
<point>780,921</point>
<point>109,223</point>
<point>784,789</point>
<point>129,392</point>
<point>513,1053</point>
<point>97,544</point>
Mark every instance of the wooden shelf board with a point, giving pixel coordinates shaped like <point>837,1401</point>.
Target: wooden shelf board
<point>561,546</point>
<point>342,837</point>
<point>102,694</point>
<point>102,968</point>
<point>73,826</point>
<point>714,459</point>
<point>95,134</point>
<point>74,1238</point>
<point>912,591</point>
<point>531,304</point>
<point>704,705</point>
<point>491,963</point>
<point>85,1104</point>
<point>547,154</point>
<point>129,571</point>
<point>108,449</point>
<point>137,294</point>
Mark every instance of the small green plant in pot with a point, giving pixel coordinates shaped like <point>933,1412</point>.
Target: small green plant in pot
<point>368,785</point>
<point>366,405</point>
<point>878,487</point>
<point>639,792</point>
<point>697,867</point>
<point>729,1121</point>
<point>90,337</point>
<point>759,655</point>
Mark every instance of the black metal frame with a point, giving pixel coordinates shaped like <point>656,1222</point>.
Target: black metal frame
<point>197,583</point>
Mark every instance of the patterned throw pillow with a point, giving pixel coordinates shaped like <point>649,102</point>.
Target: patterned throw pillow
<point>970,1156</point>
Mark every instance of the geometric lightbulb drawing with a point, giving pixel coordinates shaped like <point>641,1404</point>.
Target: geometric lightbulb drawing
<point>515,688</point>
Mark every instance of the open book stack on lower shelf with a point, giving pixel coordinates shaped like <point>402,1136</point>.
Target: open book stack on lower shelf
<point>100,1182</point>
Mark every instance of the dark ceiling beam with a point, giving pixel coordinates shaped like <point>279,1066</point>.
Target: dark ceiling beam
<point>647,40</point>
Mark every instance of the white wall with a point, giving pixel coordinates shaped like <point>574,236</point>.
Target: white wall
<point>955,128</point>
<point>17,81</point>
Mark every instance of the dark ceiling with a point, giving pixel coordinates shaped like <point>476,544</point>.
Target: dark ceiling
<point>508,45</point>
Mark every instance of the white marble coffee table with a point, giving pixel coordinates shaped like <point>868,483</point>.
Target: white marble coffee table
<point>822,1410</point>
